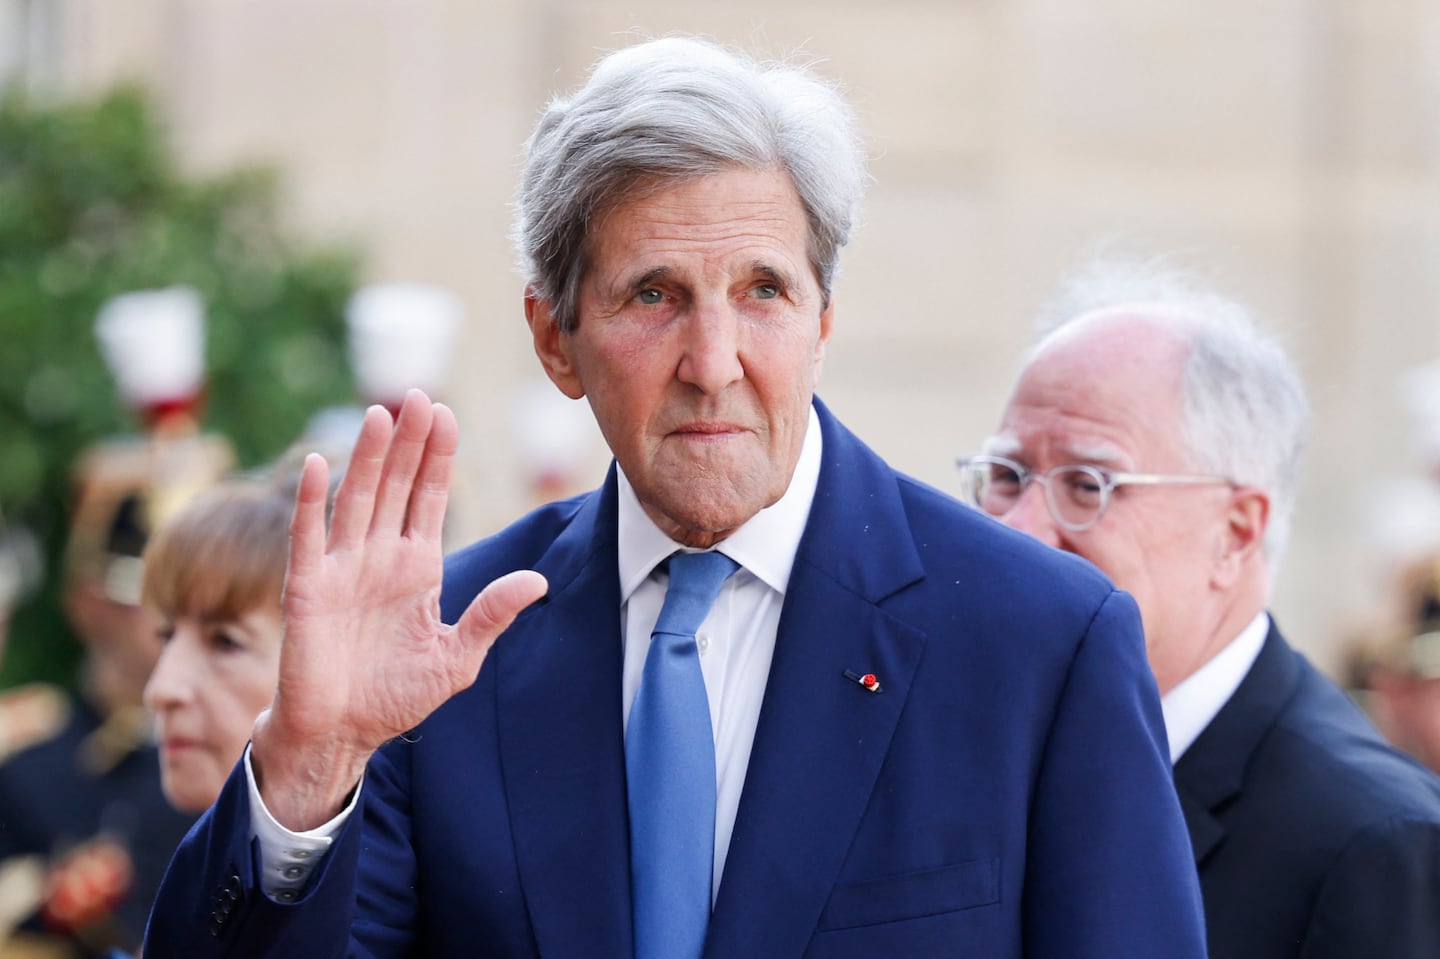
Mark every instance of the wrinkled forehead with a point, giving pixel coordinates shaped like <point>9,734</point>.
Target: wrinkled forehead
<point>734,207</point>
<point>646,191</point>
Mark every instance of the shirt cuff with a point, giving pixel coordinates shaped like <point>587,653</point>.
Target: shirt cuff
<point>288,858</point>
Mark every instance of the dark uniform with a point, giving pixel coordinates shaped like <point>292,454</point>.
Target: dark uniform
<point>83,824</point>
<point>85,831</point>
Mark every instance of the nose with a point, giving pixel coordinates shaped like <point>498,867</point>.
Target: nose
<point>170,683</point>
<point>711,358</point>
<point>1031,514</point>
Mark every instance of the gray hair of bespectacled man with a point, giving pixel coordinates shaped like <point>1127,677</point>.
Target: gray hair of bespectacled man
<point>670,110</point>
<point>1244,414</point>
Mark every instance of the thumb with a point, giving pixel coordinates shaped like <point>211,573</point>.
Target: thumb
<point>498,604</point>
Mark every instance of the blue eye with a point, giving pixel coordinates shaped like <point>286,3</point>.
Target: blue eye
<point>767,291</point>
<point>650,297</point>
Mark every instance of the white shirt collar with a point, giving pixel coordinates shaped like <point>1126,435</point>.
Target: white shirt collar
<point>1190,706</point>
<point>765,545</point>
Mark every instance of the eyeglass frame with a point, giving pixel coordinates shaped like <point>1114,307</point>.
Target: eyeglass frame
<point>1108,480</point>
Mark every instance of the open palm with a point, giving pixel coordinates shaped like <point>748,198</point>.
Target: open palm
<point>365,655</point>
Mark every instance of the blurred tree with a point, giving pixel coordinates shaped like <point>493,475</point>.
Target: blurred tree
<point>92,205</point>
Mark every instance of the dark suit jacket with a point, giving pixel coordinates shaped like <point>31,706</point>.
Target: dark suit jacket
<point>1313,837</point>
<point>1006,793</point>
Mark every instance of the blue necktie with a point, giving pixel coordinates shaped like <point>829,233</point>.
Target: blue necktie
<point>670,767</point>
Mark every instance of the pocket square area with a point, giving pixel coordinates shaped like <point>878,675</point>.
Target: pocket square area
<point>964,885</point>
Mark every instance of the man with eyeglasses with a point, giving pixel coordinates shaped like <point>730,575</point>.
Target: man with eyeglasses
<point>1158,434</point>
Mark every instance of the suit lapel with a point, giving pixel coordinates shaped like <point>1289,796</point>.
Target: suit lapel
<point>822,738</point>
<point>562,745</point>
<point>1212,770</point>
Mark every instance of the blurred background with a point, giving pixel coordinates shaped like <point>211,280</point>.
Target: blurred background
<point>278,155</point>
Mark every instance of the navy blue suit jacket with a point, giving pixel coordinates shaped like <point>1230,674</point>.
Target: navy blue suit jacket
<point>1313,837</point>
<point>1006,793</point>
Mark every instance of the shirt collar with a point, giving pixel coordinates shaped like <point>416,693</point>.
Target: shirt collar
<point>765,545</point>
<point>1190,706</point>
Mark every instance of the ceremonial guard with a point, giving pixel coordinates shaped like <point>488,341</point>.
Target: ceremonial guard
<point>85,832</point>
<point>1394,665</point>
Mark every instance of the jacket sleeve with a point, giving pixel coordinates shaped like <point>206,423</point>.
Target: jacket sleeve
<point>210,903</point>
<point>1109,873</point>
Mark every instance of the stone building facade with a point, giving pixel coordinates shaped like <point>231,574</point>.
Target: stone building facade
<point>1287,148</point>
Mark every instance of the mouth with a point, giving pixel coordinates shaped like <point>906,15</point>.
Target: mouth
<point>707,430</point>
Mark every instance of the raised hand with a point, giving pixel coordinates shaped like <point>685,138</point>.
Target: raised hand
<point>365,656</point>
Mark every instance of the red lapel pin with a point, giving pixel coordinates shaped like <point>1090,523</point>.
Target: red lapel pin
<point>870,681</point>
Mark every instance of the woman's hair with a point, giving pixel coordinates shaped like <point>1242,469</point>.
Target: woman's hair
<point>223,554</point>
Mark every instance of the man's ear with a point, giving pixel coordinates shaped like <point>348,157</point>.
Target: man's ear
<point>552,346</point>
<point>1247,516</point>
<point>827,325</point>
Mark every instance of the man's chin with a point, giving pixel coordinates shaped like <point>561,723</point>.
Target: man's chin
<point>701,522</point>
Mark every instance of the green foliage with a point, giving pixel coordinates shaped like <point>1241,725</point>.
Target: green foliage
<point>91,205</point>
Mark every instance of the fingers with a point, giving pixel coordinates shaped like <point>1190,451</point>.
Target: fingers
<point>355,500</point>
<point>397,481</point>
<point>432,483</point>
<point>307,524</point>
<point>498,604</point>
<point>392,466</point>
<point>409,443</point>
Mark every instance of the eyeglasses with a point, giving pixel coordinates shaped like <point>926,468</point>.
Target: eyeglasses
<point>1077,495</point>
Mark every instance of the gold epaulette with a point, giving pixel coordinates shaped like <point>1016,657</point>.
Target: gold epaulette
<point>122,732</point>
<point>22,890</point>
<point>34,945</point>
<point>30,715</point>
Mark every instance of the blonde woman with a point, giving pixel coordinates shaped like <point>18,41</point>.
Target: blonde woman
<point>214,574</point>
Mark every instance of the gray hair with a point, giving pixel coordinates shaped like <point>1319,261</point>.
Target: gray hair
<point>1244,411</point>
<point>669,110</point>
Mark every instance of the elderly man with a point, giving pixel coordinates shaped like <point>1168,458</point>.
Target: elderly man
<point>778,699</point>
<point>1158,434</point>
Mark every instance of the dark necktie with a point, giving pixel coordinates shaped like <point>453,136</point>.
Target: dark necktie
<point>670,767</point>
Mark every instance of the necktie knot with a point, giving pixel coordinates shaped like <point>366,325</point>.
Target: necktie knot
<point>695,581</point>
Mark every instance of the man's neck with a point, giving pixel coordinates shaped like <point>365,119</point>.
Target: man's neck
<point>1191,705</point>
<point>765,545</point>
<point>1225,615</point>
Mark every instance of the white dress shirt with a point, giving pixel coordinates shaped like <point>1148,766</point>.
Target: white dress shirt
<point>736,642</point>
<point>1190,706</point>
<point>737,638</point>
